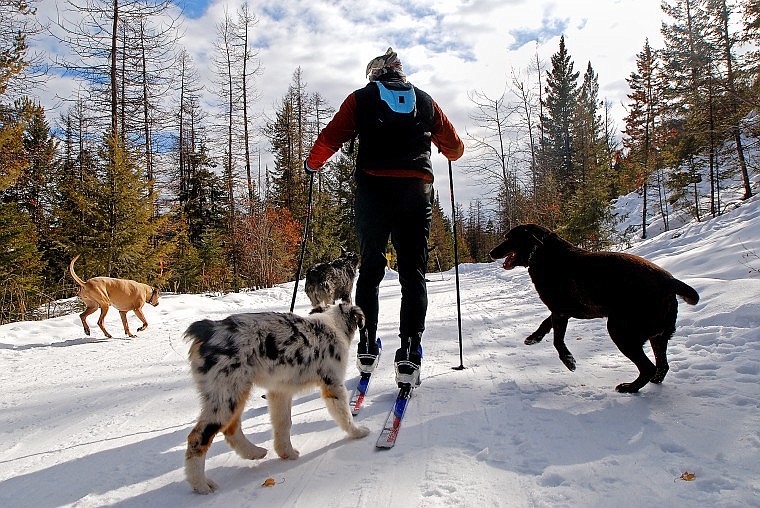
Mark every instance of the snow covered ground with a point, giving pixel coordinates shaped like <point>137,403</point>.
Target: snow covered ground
<point>88,421</point>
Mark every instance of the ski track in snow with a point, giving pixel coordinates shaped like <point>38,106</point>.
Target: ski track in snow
<point>91,422</point>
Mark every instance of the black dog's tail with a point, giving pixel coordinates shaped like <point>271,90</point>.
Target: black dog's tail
<point>686,292</point>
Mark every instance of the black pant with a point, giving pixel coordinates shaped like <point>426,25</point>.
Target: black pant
<point>399,209</point>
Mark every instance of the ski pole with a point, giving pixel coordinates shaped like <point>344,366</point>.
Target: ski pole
<point>303,243</point>
<point>456,267</point>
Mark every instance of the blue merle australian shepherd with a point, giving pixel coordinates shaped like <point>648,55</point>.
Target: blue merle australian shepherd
<point>328,282</point>
<point>281,352</point>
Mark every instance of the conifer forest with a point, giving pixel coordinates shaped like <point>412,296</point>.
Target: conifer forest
<point>145,181</point>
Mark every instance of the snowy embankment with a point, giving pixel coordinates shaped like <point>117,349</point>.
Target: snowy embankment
<point>88,421</point>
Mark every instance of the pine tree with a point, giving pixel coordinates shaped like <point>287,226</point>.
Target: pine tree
<point>588,212</point>
<point>644,112</point>
<point>559,113</point>
<point>20,264</point>
<point>184,271</point>
<point>686,54</point>
<point>285,176</point>
<point>77,188</point>
<point>37,190</point>
<point>286,135</point>
<point>34,189</point>
<point>724,39</point>
<point>441,243</point>
<point>12,157</point>
<point>682,155</point>
<point>216,274</point>
<point>587,127</point>
<point>463,248</point>
<point>20,260</point>
<point>324,229</point>
<point>339,182</point>
<point>225,59</point>
<point>205,200</point>
<point>589,222</point>
<point>119,217</point>
<point>689,72</point>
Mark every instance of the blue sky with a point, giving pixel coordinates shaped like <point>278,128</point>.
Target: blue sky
<point>449,48</point>
<point>193,9</point>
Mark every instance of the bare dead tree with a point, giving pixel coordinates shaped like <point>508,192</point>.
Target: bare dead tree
<point>224,60</point>
<point>493,160</point>
<point>530,107</point>
<point>250,69</point>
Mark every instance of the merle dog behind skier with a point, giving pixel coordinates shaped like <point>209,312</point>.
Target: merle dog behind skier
<point>328,282</point>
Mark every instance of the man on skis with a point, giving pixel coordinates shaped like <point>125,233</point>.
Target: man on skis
<point>395,123</point>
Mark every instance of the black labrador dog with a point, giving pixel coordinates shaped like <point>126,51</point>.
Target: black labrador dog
<point>637,296</point>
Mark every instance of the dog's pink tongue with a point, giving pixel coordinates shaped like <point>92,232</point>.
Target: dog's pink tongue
<point>507,265</point>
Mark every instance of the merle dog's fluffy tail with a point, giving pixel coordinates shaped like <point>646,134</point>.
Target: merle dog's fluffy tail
<point>688,293</point>
<point>200,331</point>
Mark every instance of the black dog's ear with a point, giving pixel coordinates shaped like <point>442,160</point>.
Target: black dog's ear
<point>539,234</point>
<point>357,314</point>
<point>318,309</point>
<point>539,240</point>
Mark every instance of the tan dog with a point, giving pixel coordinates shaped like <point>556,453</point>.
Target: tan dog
<point>124,294</point>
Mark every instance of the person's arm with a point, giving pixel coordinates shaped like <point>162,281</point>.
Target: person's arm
<point>445,137</point>
<point>339,130</point>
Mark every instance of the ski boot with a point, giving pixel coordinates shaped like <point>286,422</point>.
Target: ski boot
<point>368,353</point>
<point>407,363</point>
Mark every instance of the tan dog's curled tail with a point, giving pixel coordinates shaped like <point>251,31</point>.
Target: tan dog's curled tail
<point>73,273</point>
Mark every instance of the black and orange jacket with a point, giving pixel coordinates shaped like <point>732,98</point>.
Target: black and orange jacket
<point>388,145</point>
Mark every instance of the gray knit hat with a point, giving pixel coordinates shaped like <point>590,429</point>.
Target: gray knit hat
<point>383,64</point>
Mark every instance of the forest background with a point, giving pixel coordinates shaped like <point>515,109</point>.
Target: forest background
<point>145,182</point>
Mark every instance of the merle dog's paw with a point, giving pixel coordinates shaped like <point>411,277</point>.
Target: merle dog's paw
<point>206,487</point>
<point>568,360</point>
<point>252,452</point>
<point>358,432</point>
<point>288,453</point>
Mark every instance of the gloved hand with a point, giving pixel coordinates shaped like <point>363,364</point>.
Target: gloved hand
<point>308,170</point>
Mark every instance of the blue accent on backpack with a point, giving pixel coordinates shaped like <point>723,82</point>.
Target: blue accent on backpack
<point>400,101</point>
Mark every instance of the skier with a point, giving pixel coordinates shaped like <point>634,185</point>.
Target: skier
<point>395,123</point>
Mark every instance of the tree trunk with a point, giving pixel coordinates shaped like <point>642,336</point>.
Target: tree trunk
<point>247,148</point>
<point>181,140</point>
<point>114,94</point>
<point>146,124</point>
<point>230,178</point>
